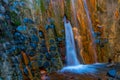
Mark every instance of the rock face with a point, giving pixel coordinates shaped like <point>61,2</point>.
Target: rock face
<point>32,34</point>
<point>109,20</point>
<point>24,47</point>
<point>105,22</point>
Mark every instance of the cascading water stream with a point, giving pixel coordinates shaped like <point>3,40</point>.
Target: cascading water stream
<point>90,28</point>
<point>73,64</point>
<point>70,45</point>
<point>76,31</point>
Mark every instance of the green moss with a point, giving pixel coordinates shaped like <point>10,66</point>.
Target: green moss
<point>15,19</point>
<point>68,8</point>
<point>2,40</point>
<point>42,6</point>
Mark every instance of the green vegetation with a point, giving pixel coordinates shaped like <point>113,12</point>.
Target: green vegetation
<point>68,9</point>
<point>15,19</point>
<point>42,6</point>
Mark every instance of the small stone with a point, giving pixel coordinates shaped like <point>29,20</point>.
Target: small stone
<point>34,29</point>
<point>97,34</point>
<point>41,56</point>
<point>10,51</point>
<point>19,38</point>
<point>97,41</point>
<point>53,60</point>
<point>31,54</point>
<point>59,39</point>
<point>41,34</point>
<point>15,60</point>
<point>26,71</point>
<point>21,47</point>
<point>52,41</point>
<point>2,9</point>
<point>43,41</point>
<point>39,63</point>
<point>6,1</point>
<point>18,3</point>
<point>53,54</point>
<point>62,31</point>
<point>34,38</point>
<point>17,34</point>
<point>46,27</point>
<point>48,56</point>
<point>2,17</point>
<point>52,26</point>
<point>7,17</point>
<point>52,48</point>
<point>15,3</point>
<point>33,45</point>
<point>43,49</point>
<point>7,45</point>
<point>43,44</point>
<point>21,3</point>
<point>27,20</point>
<point>12,8</point>
<point>21,28</point>
<point>46,64</point>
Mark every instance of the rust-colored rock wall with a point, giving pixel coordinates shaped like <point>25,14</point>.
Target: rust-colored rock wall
<point>104,15</point>
<point>36,28</point>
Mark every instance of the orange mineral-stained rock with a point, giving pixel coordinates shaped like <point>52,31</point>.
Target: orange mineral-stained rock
<point>116,14</point>
<point>21,67</point>
<point>29,73</point>
<point>25,58</point>
<point>26,62</point>
<point>34,58</point>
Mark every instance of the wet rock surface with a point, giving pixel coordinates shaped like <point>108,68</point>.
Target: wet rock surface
<point>101,74</point>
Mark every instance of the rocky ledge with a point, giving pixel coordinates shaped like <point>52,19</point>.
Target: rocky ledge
<point>101,74</point>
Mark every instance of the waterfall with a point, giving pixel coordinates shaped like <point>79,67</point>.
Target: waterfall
<point>90,28</point>
<point>73,65</point>
<point>76,31</point>
<point>71,57</point>
<point>88,17</point>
